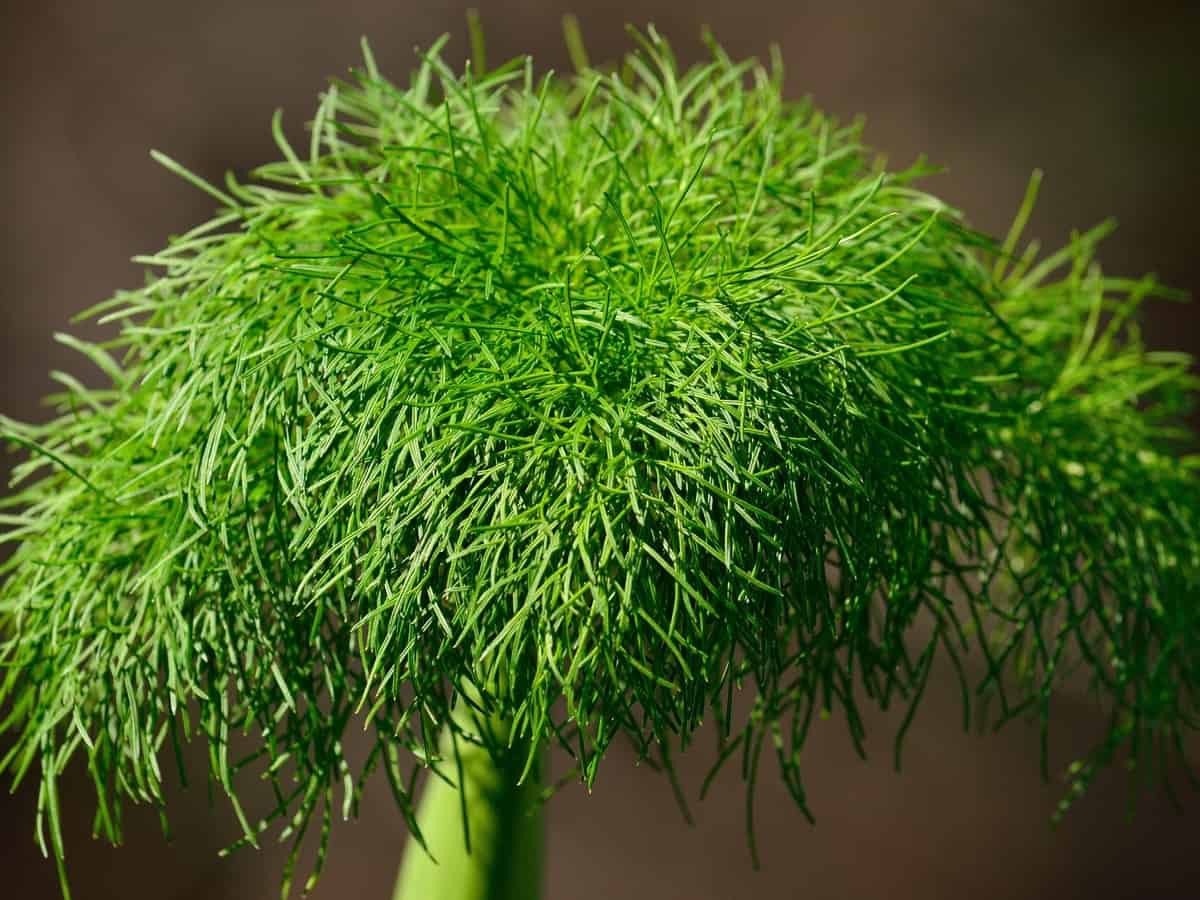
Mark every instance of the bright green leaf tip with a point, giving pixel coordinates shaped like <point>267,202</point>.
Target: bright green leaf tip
<point>605,395</point>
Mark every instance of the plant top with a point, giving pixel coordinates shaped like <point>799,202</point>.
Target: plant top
<point>606,398</point>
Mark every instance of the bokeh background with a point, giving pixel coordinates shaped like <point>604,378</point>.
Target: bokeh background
<point>1104,96</point>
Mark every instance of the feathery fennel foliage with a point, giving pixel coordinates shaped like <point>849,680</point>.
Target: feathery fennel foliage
<point>609,396</point>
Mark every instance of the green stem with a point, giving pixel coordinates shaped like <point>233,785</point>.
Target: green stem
<point>504,823</point>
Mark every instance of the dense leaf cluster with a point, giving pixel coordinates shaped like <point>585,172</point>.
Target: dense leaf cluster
<point>610,395</point>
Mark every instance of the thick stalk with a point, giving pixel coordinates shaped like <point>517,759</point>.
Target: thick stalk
<point>503,819</point>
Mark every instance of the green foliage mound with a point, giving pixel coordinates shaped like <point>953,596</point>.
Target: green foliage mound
<point>606,396</point>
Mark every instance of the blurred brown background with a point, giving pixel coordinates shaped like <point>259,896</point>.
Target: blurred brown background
<point>1104,96</point>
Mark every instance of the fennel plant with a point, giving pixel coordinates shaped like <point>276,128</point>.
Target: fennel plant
<point>517,413</point>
